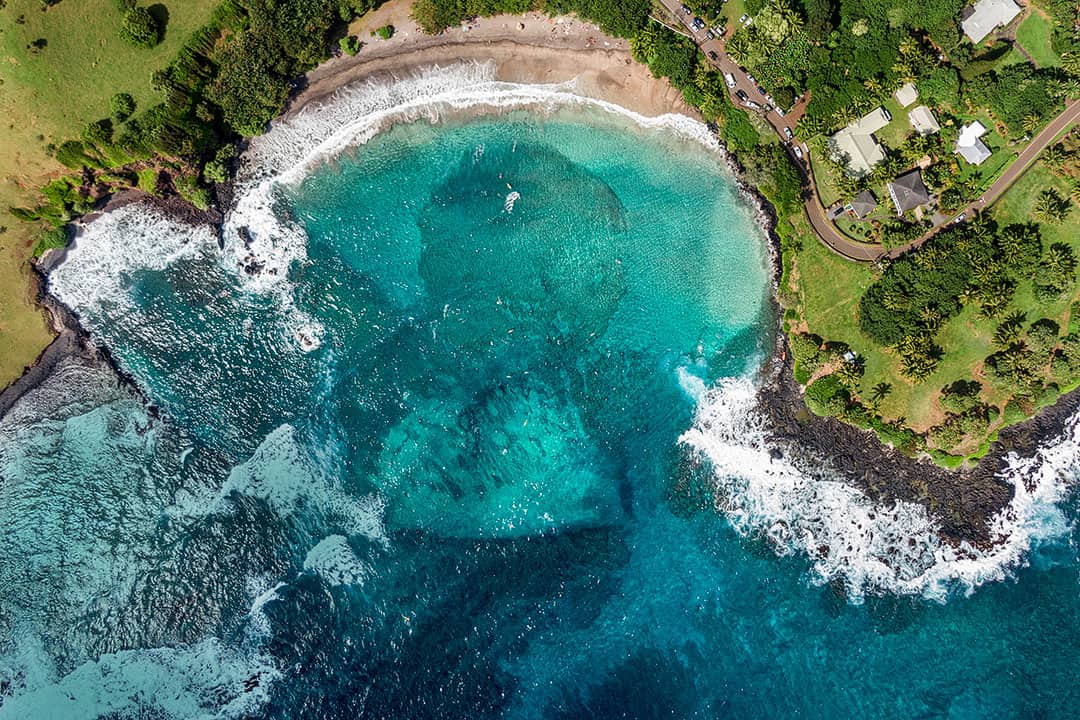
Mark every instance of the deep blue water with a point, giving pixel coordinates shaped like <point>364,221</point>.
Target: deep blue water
<point>470,501</point>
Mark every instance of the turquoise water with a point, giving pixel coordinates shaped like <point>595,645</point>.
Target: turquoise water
<point>470,500</point>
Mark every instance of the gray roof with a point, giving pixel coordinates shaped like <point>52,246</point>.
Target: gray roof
<point>908,191</point>
<point>986,15</point>
<point>863,204</point>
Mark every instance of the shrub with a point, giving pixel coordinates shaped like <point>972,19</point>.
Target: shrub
<point>122,106</point>
<point>827,396</point>
<point>140,28</point>
<point>349,45</point>
<point>51,239</point>
<point>385,32</point>
<point>1043,336</point>
<point>961,396</point>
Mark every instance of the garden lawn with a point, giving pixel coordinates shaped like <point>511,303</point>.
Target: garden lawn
<point>47,96</point>
<point>1034,36</point>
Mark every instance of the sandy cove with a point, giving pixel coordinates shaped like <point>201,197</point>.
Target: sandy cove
<point>531,48</point>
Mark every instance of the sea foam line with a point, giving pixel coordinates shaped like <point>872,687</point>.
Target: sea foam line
<point>871,548</point>
<point>256,236</point>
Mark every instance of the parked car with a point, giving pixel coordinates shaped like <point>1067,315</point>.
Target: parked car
<point>729,79</point>
<point>780,112</point>
<point>761,91</point>
<point>698,23</point>
<point>750,78</point>
<point>686,9</point>
<point>752,105</point>
<point>742,95</point>
<point>960,218</point>
<point>744,18</point>
<point>788,134</point>
<point>710,35</point>
<point>713,55</point>
<point>798,152</point>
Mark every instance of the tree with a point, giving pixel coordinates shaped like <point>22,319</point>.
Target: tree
<point>140,28</point>
<point>1070,63</point>
<point>1051,206</point>
<point>122,106</point>
<point>878,393</point>
<point>1030,123</point>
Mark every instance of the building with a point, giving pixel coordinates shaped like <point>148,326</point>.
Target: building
<point>862,204</point>
<point>906,94</point>
<point>856,146</point>
<point>969,146</point>
<point>908,191</point>
<point>981,18</point>
<point>923,120</point>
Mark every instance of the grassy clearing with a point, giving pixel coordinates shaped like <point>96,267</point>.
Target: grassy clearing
<point>47,96</point>
<point>1034,36</point>
<point>824,291</point>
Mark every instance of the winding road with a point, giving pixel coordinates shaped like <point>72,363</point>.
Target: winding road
<point>826,231</point>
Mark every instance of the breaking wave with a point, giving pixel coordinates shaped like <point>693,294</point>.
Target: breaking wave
<point>871,548</point>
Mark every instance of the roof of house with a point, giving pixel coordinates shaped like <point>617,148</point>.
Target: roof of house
<point>923,120</point>
<point>986,15</point>
<point>969,146</point>
<point>856,144</point>
<point>908,191</point>
<point>863,204</point>
<point>906,95</point>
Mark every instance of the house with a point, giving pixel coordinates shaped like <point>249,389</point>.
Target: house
<point>969,146</point>
<point>906,94</point>
<point>923,121</point>
<point>980,19</point>
<point>855,144</point>
<point>862,204</point>
<point>908,191</point>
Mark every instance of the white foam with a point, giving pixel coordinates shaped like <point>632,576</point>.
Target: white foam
<point>870,548</point>
<point>108,251</point>
<point>256,235</point>
<point>336,562</point>
<point>288,478</point>
<point>206,680</point>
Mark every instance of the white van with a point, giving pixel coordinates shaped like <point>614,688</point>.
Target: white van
<point>729,79</point>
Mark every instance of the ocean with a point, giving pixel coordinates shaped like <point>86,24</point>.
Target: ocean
<point>457,421</point>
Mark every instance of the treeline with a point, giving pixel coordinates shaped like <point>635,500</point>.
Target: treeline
<point>229,79</point>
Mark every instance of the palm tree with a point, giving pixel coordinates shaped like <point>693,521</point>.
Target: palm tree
<point>1054,156</point>
<point>1070,63</point>
<point>873,86</point>
<point>1030,123</point>
<point>879,393</point>
<point>909,47</point>
<point>1051,207</point>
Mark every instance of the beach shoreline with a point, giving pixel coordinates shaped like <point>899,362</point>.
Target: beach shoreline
<point>963,501</point>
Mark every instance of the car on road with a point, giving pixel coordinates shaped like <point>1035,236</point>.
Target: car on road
<point>798,152</point>
<point>686,9</point>
<point>742,95</point>
<point>729,79</point>
<point>788,134</point>
<point>713,56</point>
<point>960,218</point>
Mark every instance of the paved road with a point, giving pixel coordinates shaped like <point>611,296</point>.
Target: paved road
<point>1019,166</point>
<point>826,231</point>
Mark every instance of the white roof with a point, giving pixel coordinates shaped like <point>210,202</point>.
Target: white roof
<point>906,95</point>
<point>969,146</point>
<point>856,145</point>
<point>987,15</point>
<point>923,120</point>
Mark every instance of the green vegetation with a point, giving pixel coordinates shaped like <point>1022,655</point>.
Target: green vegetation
<point>140,28</point>
<point>1034,36</point>
<point>385,32</point>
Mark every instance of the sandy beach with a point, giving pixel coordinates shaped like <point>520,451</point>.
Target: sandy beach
<point>530,48</point>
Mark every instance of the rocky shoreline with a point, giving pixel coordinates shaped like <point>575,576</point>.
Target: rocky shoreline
<point>962,501</point>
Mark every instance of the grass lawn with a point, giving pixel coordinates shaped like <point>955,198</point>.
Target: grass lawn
<point>894,134</point>
<point>47,96</point>
<point>1034,36</point>
<point>829,287</point>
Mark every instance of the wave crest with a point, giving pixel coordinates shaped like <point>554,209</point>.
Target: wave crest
<point>871,548</point>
